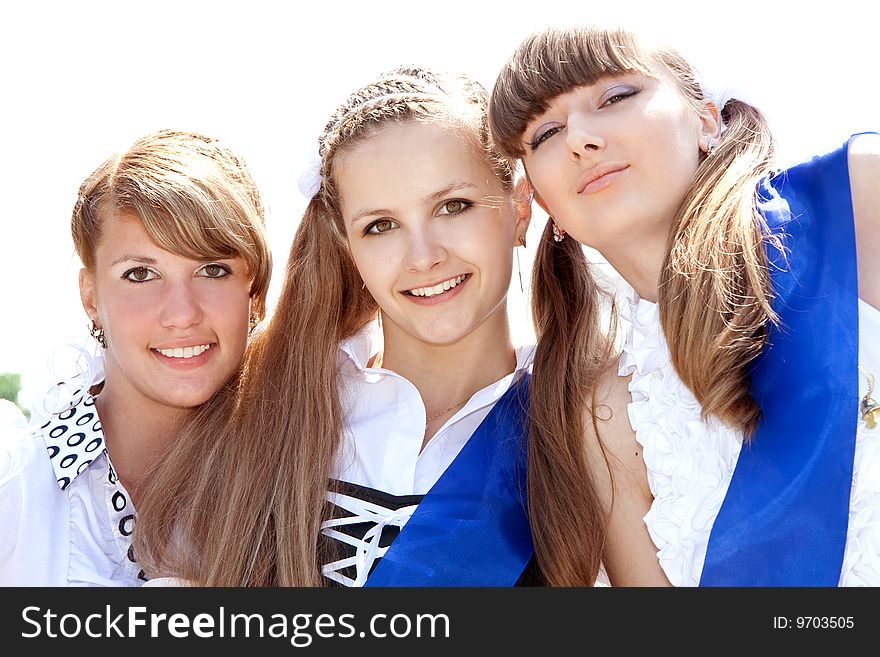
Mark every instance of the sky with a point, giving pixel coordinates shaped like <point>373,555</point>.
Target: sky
<point>83,79</point>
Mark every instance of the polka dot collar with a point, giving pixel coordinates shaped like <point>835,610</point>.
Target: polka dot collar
<point>74,438</point>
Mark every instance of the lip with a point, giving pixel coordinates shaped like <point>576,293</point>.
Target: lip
<point>192,361</point>
<point>451,293</point>
<point>600,176</point>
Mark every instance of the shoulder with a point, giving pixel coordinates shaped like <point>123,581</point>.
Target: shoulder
<point>22,449</point>
<point>864,173</point>
<point>616,438</point>
<point>865,147</point>
<point>26,471</point>
<point>864,165</point>
<point>24,468</point>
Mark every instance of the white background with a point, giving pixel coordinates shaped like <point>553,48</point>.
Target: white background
<point>83,79</point>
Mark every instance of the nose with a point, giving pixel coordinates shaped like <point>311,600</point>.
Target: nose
<point>582,137</point>
<point>424,250</point>
<point>181,306</point>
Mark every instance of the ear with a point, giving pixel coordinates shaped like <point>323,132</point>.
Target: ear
<point>88,294</point>
<point>535,195</point>
<point>522,193</point>
<point>710,124</point>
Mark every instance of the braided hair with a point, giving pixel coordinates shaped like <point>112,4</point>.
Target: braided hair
<point>257,521</point>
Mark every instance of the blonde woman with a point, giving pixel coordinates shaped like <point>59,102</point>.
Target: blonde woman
<point>380,428</point>
<point>753,348</point>
<point>175,272</point>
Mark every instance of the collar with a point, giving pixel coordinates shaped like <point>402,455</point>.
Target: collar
<point>74,438</point>
<point>359,348</point>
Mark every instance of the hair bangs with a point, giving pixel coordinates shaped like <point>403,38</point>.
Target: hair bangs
<point>551,63</point>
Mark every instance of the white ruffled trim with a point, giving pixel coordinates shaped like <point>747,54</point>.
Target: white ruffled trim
<point>861,561</point>
<point>690,462</point>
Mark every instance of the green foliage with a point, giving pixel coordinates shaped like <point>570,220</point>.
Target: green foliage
<point>10,384</point>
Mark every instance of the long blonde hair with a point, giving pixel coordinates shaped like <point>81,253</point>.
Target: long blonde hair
<point>239,500</point>
<point>714,289</point>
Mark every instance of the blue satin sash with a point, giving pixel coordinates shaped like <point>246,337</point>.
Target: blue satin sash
<point>784,519</point>
<point>471,528</point>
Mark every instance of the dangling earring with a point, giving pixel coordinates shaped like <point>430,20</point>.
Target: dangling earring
<point>379,318</point>
<point>97,334</point>
<point>558,233</point>
<point>252,324</point>
<point>522,243</point>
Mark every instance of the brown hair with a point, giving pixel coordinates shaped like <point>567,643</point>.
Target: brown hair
<point>714,288</point>
<point>194,196</point>
<point>255,465</point>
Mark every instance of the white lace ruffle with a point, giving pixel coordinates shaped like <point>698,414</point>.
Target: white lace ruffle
<point>861,561</point>
<point>690,462</point>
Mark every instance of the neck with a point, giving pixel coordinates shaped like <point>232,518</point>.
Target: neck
<point>640,264</point>
<point>447,374</point>
<point>136,435</point>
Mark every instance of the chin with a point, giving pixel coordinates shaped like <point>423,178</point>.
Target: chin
<point>187,399</point>
<point>444,338</point>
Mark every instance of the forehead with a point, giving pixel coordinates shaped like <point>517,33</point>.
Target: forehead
<point>409,159</point>
<point>122,229</point>
<point>123,235</point>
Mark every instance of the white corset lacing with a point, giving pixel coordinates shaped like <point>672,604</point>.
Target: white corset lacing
<point>368,549</point>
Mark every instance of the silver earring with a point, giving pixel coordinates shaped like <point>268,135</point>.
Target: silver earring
<point>252,323</point>
<point>710,146</point>
<point>522,242</point>
<point>97,334</point>
<point>558,233</point>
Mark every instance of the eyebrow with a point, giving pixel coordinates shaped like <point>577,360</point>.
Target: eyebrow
<point>144,260</point>
<point>429,200</point>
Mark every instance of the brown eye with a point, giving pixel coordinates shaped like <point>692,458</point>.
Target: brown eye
<point>138,275</point>
<point>456,206</point>
<point>214,271</point>
<point>544,136</point>
<point>380,226</point>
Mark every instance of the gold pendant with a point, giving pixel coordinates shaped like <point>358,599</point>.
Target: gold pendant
<point>870,411</point>
<point>868,408</point>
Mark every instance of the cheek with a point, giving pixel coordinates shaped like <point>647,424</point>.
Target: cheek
<point>376,260</point>
<point>229,305</point>
<point>492,248</point>
<point>546,170</point>
<point>123,309</point>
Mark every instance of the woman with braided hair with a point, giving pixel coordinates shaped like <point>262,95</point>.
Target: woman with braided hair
<point>378,435</point>
<point>752,351</point>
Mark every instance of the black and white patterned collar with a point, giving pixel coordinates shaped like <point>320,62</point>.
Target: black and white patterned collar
<point>74,438</point>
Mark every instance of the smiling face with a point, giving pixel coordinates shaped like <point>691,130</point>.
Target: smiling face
<point>431,230</point>
<point>612,161</point>
<point>176,328</point>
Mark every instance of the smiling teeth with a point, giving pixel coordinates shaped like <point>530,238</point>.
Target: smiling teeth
<point>439,288</point>
<point>185,352</point>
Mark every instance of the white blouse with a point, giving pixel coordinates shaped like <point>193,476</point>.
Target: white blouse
<point>382,446</point>
<point>66,519</point>
<point>690,462</point>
